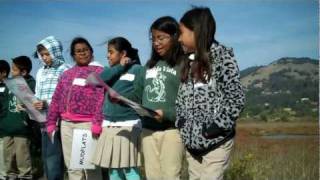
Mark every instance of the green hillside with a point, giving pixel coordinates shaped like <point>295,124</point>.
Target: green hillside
<point>287,89</point>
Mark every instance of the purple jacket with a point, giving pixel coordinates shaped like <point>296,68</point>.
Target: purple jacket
<point>75,101</point>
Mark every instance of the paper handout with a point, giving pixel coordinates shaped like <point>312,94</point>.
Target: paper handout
<point>94,79</point>
<point>19,87</point>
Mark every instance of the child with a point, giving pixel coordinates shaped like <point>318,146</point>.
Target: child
<point>4,73</point>
<point>49,51</point>
<point>157,87</point>
<point>14,126</point>
<point>118,146</point>
<point>77,105</point>
<point>210,97</point>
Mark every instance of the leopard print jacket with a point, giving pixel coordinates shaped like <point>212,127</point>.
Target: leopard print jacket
<point>207,112</point>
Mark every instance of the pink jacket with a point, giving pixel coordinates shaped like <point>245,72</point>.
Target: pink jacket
<point>75,101</point>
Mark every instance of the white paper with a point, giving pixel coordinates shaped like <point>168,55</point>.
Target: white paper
<point>94,79</point>
<point>142,111</point>
<point>19,87</point>
<point>83,146</point>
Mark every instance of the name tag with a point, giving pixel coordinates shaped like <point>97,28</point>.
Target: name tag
<point>79,82</point>
<point>2,89</point>
<point>151,73</point>
<point>198,84</point>
<point>211,83</point>
<point>127,77</point>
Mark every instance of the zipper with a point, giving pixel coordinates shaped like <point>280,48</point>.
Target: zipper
<point>193,101</point>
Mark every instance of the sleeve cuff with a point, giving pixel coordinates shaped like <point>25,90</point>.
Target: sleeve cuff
<point>96,129</point>
<point>51,128</point>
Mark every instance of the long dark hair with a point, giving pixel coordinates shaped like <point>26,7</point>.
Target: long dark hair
<point>170,26</point>
<point>202,23</point>
<point>122,44</point>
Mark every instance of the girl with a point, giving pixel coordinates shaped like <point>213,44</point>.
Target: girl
<point>49,52</point>
<point>118,147</point>
<point>156,88</point>
<point>210,97</point>
<point>78,105</point>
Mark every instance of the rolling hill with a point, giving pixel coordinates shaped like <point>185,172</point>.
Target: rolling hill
<point>286,89</point>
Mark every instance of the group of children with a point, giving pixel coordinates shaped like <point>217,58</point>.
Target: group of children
<point>191,81</point>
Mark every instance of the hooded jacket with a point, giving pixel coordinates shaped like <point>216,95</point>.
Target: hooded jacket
<point>48,75</point>
<point>207,112</point>
<point>76,101</point>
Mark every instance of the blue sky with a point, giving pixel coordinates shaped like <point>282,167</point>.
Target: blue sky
<point>260,31</point>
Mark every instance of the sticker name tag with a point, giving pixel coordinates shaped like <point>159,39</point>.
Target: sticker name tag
<point>198,84</point>
<point>2,89</point>
<point>127,77</point>
<point>151,73</point>
<point>79,82</point>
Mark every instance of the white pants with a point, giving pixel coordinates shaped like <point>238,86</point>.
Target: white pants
<point>2,166</point>
<point>163,153</point>
<point>213,164</point>
<point>66,139</point>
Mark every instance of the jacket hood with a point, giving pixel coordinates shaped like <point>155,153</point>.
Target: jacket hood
<point>55,49</point>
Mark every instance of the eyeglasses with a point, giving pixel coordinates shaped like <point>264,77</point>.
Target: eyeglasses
<point>78,51</point>
<point>159,39</point>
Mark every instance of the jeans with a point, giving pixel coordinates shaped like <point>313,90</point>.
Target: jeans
<point>52,156</point>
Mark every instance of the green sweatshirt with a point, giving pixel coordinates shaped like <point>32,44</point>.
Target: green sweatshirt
<point>157,88</point>
<point>121,80</point>
<point>12,122</point>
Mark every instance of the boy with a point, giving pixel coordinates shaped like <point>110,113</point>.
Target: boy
<point>4,73</point>
<point>14,126</point>
<point>49,51</point>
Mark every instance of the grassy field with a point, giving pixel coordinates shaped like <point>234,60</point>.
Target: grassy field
<point>275,151</point>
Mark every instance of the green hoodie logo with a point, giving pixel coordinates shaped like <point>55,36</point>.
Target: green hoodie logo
<point>13,105</point>
<point>156,92</point>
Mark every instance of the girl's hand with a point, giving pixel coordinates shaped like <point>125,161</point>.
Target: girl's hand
<point>39,105</point>
<point>159,117</point>
<point>20,107</point>
<point>124,61</point>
